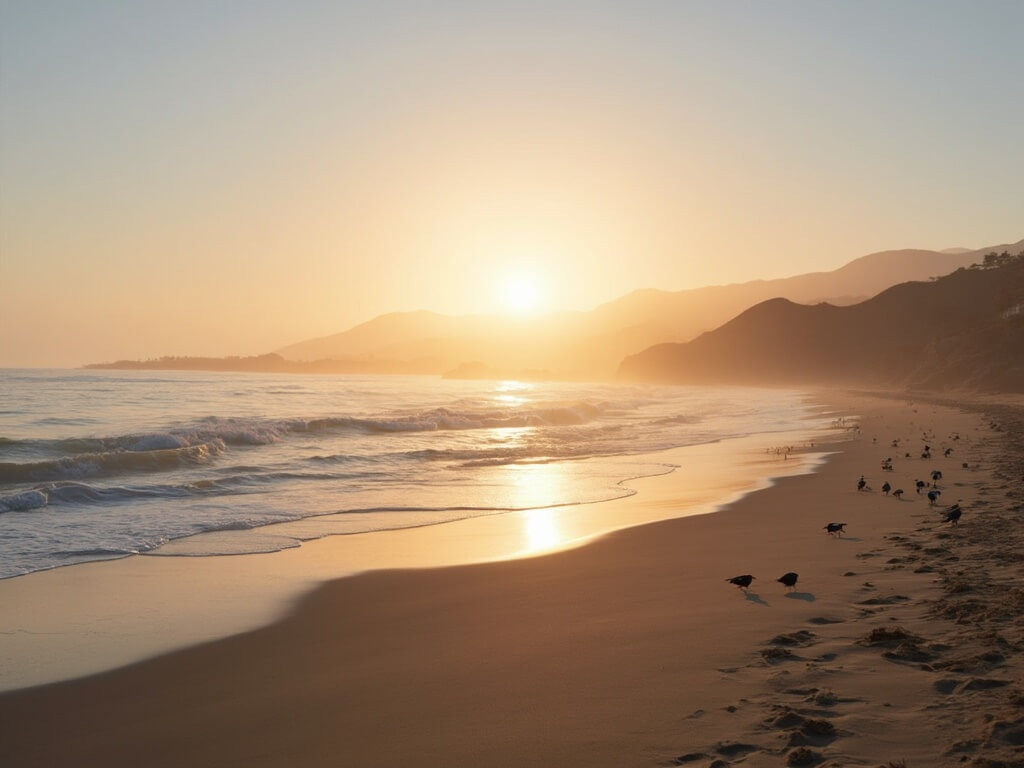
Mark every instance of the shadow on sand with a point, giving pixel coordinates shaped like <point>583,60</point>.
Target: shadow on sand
<point>753,597</point>
<point>805,596</point>
<point>852,539</point>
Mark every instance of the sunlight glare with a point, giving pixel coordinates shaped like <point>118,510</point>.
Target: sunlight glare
<point>509,386</point>
<point>542,530</point>
<point>520,294</point>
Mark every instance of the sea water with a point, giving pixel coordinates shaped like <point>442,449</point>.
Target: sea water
<point>103,464</point>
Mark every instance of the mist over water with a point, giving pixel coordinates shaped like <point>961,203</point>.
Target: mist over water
<point>96,465</point>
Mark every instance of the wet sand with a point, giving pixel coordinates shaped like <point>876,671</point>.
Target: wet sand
<point>900,641</point>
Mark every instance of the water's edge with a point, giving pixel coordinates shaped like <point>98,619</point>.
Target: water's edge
<point>76,621</point>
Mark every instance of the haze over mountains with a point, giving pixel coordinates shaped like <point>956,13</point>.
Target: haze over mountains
<point>592,344</point>
<point>964,330</point>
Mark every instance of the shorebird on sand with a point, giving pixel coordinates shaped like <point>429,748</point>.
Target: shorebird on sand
<point>741,581</point>
<point>789,579</point>
<point>953,515</point>
<point>833,528</point>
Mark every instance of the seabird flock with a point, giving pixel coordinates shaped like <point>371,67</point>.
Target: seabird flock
<point>951,515</point>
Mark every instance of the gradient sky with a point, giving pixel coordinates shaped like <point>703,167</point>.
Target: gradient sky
<point>217,178</point>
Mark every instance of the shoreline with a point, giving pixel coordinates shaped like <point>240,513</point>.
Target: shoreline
<point>86,618</point>
<point>628,651</point>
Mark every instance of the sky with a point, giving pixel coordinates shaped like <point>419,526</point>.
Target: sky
<point>228,177</point>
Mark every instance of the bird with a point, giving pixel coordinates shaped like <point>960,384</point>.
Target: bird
<point>920,484</point>
<point>953,515</point>
<point>861,483</point>
<point>886,487</point>
<point>832,528</point>
<point>936,476</point>
<point>898,493</point>
<point>947,452</point>
<point>789,579</point>
<point>933,495</point>
<point>741,581</point>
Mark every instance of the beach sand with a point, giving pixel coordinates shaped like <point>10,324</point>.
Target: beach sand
<point>901,640</point>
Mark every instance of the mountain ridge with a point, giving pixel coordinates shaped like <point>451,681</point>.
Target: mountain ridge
<point>592,343</point>
<point>964,329</point>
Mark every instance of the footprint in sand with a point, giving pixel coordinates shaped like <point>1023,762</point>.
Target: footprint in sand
<point>774,654</point>
<point>801,638</point>
<point>1006,732</point>
<point>889,600</point>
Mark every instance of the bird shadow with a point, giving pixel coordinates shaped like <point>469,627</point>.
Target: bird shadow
<point>753,597</point>
<point>853,539</point>
<point>805,596</point>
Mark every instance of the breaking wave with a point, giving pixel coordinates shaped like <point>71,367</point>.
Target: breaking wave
<point>108,463</point>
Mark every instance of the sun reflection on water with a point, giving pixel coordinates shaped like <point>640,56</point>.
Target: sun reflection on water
<point>542,530</point>
<point>532,486</point>
<point>507,392</point>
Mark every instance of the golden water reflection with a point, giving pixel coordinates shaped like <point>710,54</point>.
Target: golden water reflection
<point>530,487</point>
<point>542,530</point>
<point>507,390</point>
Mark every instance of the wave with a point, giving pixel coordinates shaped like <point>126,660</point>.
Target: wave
<point>25,501</point>
<point>79,494</point>
<point>682,418</point>
<point>219,431</point>
<point>108,463</point>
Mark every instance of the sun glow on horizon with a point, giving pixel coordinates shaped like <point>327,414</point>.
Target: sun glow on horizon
<point>520,294</point>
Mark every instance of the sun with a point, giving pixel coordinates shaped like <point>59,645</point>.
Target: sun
<point>520,294</point>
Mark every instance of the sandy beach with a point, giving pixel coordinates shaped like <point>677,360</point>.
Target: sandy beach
<point>900,642</point>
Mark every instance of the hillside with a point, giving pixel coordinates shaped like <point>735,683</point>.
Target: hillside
<point>962,330</point>
<point>591,344</point>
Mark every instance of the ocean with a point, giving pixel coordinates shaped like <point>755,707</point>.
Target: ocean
<point>105,464</point>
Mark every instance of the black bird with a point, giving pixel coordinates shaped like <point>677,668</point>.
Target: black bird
<point>861,483</point>
<point>920,484</point>
<point>933,495</point>
<point>898,493</point>
<point>936,476</point>
<point>886,487</point>
<point>741,581</point>
<point>953,515</point>
<point>835,528</point>
<point>789,579</point>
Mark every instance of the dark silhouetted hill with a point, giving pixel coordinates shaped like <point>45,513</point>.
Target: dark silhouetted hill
<point>965,330</point>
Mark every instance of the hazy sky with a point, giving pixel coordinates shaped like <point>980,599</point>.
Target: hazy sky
<point>229,177</point>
